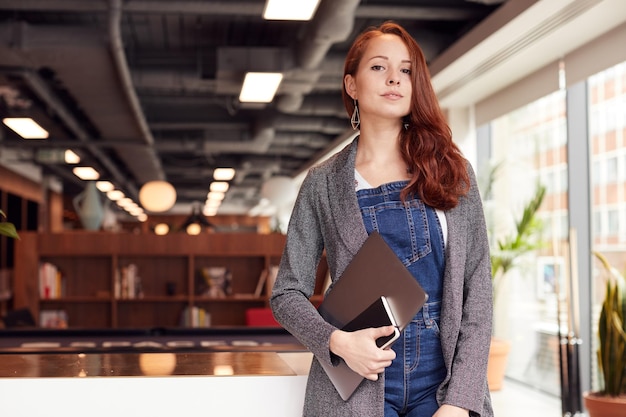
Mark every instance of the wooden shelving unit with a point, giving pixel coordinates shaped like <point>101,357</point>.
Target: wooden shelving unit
<point>168,267</point>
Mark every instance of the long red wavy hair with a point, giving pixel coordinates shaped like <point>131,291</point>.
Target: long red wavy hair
<point>439,171</point>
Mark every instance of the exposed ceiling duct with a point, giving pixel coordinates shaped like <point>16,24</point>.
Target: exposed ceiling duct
<point>147,89</point>
<point>143,162</point>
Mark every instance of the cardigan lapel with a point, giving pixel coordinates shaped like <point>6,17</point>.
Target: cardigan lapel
<point>345,211</point>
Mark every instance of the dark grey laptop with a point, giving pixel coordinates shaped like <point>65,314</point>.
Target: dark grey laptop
<point>374,271</point>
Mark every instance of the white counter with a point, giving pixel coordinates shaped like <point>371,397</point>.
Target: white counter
<point>159,396</point>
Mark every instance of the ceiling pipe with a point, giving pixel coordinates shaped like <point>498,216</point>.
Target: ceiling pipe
<point>332,23</point>
<point>263,169</point>
<point>308,140</point>
<point>150,168</point>
<point>330,126</point>
<point>43,92</point>
<point>322,105</point>
<point>260,143</point>
<point>23,34</point>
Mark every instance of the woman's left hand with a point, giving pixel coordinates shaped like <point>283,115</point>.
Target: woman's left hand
<point>448,410</point>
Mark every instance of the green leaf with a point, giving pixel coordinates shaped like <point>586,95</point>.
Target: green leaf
<point>612,331</point>
<point>526,239</point>
<point>8,229</point>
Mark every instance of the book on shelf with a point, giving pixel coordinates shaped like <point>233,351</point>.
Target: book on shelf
<point>128,283</point>
<point>271,279</point>
<point>53,319</point>
<point>266,281</point>
<point>51,281</point>
<point>195,317</point>
<point>261,283</point>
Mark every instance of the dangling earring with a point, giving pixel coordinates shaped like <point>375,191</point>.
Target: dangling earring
<point>405,123</point>
<point>355,121</point>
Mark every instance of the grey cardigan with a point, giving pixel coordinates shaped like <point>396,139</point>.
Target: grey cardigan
<point>326,216</point>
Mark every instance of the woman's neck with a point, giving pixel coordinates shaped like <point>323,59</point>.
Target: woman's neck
<point>378,157</point>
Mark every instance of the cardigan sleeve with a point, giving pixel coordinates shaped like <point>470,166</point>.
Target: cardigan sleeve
<point>470,270</point>
<point>295,282</point>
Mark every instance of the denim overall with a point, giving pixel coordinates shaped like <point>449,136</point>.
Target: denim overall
<point>413,231</point>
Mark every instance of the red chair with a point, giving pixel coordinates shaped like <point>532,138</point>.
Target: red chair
<point>261,317</point>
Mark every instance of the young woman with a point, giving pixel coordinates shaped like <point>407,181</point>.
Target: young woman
<point>404,177</point>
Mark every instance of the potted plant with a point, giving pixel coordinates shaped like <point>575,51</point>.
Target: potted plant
<point>6,228</point>
<point>611,399</point>
<point>503,257</point>
<point>505,253</point>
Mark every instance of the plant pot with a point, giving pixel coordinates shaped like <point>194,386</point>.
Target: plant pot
<point>498,356</point>
<point>604,406</point>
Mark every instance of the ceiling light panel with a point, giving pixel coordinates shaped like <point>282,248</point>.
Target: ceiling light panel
<point>26,127</point>
<point>71,157</point>
<point>86,173</point>
<point>290,9</point>
<point>260,87</point>
<point>219,186</point>
<point>223,174</point>
<point>115,195</point>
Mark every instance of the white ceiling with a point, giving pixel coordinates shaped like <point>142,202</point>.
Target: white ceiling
<point>543,32</point>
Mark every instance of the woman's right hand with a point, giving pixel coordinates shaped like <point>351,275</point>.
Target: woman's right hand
<point>360,352</point>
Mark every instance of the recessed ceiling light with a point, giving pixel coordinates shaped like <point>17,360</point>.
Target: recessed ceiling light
<point>105,186</point>
<point>71,157</point>
<point>223,174</point>
<point>215,195</point>
<point>86,173</point>
<point>260,87</point>
<point>134,210</point>
<point>26,127</point>
<point>210,210</point>
<point>115,195</point>
<point>212,203</point>
<point>219,186</point>
<point>290,9</point>
<point>124,202</point>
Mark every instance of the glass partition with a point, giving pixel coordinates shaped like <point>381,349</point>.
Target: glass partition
<point>607,150</point>
<point>528,153</point>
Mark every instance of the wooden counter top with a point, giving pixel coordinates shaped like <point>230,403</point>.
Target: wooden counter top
<point>246,363</point>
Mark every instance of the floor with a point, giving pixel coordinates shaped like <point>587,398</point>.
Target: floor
<point>518,400</point>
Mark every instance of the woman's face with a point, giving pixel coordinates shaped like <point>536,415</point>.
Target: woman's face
<point>382,84</point>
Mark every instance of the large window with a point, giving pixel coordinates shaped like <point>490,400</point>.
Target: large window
<point>607,150</point>
<point>529,149</point>
<point>529,152</point>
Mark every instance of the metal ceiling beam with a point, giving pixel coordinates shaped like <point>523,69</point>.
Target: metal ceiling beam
<point>372,11</point>
<point>43,92</point>
<point>238,8</point>
<point>143,162</point>
<point>227,8</point>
